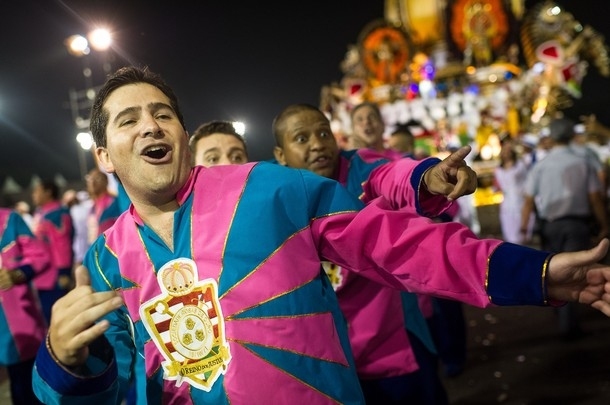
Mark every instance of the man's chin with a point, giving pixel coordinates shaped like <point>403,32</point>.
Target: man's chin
<point>324,172</point>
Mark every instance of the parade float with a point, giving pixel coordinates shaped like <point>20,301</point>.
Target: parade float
<point>469,71</point>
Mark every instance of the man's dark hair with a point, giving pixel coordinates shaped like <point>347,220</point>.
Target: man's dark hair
<point>562,130</point>
<point>120,78</point>
<point>215,127</point>
<point>52,187</point>
<point>278,122</point>
<point>401,129</point>
<point>373,106</point>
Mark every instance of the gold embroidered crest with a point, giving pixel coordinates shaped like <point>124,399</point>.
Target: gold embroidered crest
<point>186,324</point>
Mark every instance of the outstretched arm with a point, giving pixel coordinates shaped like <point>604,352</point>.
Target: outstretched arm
<point>399,248</point>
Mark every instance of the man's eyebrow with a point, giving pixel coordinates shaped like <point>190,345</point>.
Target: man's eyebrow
<point>151,106</point>
<point>127,111</point>
<point>212,149</point>
<point>154,107</point>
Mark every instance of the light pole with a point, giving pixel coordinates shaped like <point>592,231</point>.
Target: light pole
<point>81,101</point>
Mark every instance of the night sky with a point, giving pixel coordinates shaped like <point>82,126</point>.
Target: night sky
<point>225,60</point>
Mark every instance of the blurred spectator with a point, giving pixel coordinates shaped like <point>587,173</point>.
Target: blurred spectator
<point>581,145</point>
<point>402,140</point>
<point>529,149</point>
<point>23,209</point>
<point>566,192</point>
<point>52,224</point>
<point>545,144</point>
<point>22,257</point>
<point>368,128</point>
<point>101,216</point>
<point>509,178</point>
<point>80,206</point>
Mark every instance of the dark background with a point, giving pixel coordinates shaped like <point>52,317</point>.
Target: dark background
<point>226,60</point>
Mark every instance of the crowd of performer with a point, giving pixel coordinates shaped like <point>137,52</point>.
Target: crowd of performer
<point>324,274</point>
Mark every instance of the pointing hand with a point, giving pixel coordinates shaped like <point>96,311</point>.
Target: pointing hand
<point>452,177</point>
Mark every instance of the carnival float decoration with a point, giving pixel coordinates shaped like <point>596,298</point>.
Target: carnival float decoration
<point>468,70</point>
<point>557,51</point>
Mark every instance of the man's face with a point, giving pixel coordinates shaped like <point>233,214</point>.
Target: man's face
<point>368,127</point>
<point>308,143</point>
<point>219,149</point>
<point>97,183</point>
<point>401,143</point>
<point>147,147</point>
<point>40,196</point>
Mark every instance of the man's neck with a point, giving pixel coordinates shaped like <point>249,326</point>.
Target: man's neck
<point>159,217</point>
<point>378,146</point>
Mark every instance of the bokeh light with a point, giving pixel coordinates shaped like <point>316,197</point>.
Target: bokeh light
<point>240,127</point>
<point>85,140</point>
<point>100,39</point>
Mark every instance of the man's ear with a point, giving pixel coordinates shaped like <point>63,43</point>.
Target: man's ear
<point>104,159</point>
<point>190,154</point>
<point>278,153</point>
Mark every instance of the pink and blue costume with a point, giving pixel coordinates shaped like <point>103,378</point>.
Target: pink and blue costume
<point>21,321</point>
<point>104,213</point>
<point>239,311</point>
<point>378,315</point>
<point>53,225</point>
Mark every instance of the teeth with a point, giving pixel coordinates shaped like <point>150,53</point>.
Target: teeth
<point>155,149</point>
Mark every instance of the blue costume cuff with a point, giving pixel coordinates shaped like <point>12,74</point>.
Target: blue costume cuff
<point>417,179</point>
<point>445,217</point>
<point>65,271</point>
<point>516,275</point>
<point>28,272</point>
<point>98,373</point>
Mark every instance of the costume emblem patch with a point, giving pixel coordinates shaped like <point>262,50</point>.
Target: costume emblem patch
<point>185,321</point>
<point>334,274</point>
